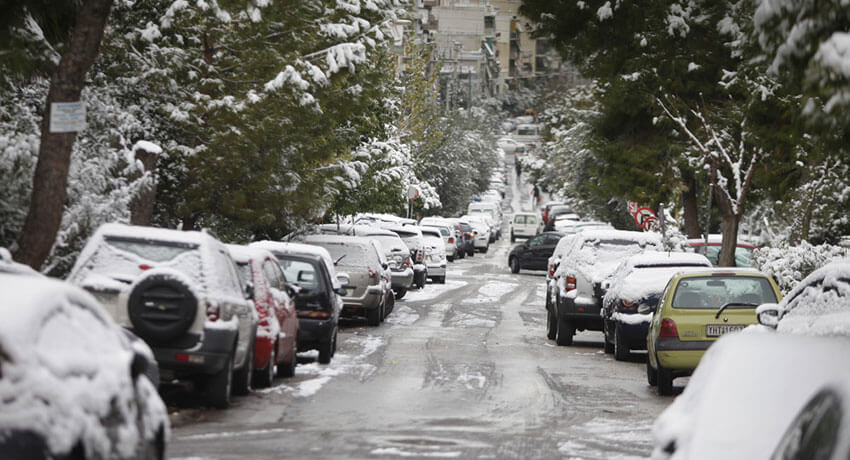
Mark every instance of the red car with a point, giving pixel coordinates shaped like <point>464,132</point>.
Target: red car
<point>743,251</point>
<point>277,330</point>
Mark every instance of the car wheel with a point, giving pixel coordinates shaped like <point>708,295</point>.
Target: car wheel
<point>243,377</point>
<point>383,310</point>
<point>513,238</point>
<point>486,248</point>
<point>326,350</point>
<point>264,377</point>
<point>471,253</point>
<point>664,380</point>
<point>651,375</point>
<point>551,325</point>
<point>439,279</point>
<point>400,293</point>
<point>565,332</point>
<point>287,369</point>
<point>450,258</point>
<point>621,348</point>
<point>514,263</point>
<point>606,338</point>
<point>461,254</point>
<point>219,385</point>
<point>373,316</point>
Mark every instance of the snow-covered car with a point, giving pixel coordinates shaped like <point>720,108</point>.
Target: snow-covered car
<point>757,395</point>
<point>368,295</point>
<point>564,221</point>
<point>524,225</point>
<point>819,305</point>
<point>569,227</point>
<point>319,298</point>
<point>481,229</point>
<point>547,206</point>
<point>448,235</point>
<point>180,292</point>
<point>633,290</point>
<point>556,211</point>
<point>7,265</point>
<point>507,145</point>
<point>72,385</point>
<point>590,259</point>
<point>743,251</point>
<point>277,330</point>
<point>435,254</point>
<point>695,309</point>
<point>412,237</point>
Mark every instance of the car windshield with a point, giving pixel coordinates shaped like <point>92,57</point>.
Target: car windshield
<point>389,243</point>
<point>155,251</point>
<point>299,272</point>
<point>124,259</point>
<point>349,255</point>
<point>743,256</point>
<point>712,292</point>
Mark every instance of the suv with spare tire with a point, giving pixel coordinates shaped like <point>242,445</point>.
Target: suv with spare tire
<point>180,292</point>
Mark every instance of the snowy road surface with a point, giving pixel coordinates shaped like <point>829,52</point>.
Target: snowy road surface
<point>457,371</point>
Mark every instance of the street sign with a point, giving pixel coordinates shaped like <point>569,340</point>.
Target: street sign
<point>645,218</point>
<point>412,192</point>
<point>67,117</point>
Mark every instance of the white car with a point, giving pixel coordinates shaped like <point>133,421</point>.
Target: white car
<point>448,235</point>
<point>524,225</point>
<point>761,395</point>
<point>508,145</point>
<point>435,254</point>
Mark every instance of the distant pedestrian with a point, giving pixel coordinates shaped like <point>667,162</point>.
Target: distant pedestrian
<point>535,192</point>
<point>518,168</point>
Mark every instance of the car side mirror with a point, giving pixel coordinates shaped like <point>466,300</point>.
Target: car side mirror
<point>768,315</point>
<point>249,291</point>
<point>646,308</point>
<point>343,279</point>
<point>385,265</point>
<point>292,289</point>
<point>605,285</point>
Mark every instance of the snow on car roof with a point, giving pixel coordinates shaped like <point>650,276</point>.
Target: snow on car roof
<point>820,304</point>
<point>244,254</point>
<point>745,393</point>
<point>660,258</point>
<point>64,361</point>
<point>432,231</point>
<point>278,247</point>
<point>645,282</point>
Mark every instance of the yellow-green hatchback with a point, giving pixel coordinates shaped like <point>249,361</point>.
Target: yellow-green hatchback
<point>694,310</point>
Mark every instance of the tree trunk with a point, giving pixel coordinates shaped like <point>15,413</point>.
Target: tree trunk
<point>689,202</point>
<point>729,227</point>
<point>141,209</point>
<point>54,157</point>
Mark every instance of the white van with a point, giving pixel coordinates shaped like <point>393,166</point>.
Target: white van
<point>524,225</point>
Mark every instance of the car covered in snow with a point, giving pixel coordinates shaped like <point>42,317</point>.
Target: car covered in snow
<point>448,234</point>
<point>277,330</point>
<point>819,305</point>
<point>72,385</point>
<point>757,395</point>
<point>180,292</point>
<point>435,254</point>
<point>578,289</point>
<point>633,290</point>
<point>412,237</point>
<point>368,294</point>
<point>8,265</point>
<point>482,229</point>
<point>695,309</point>
<point>319,297</point>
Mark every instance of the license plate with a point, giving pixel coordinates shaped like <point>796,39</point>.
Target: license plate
<point>716,330</point>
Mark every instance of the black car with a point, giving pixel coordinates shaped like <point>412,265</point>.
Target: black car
<point>468,234</point>
<point>318,301</point>
<point>534,253</point>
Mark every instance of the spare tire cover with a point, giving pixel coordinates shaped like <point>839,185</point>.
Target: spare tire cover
<point>161,308</point>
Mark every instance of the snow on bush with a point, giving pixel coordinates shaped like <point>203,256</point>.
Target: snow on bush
<point>790,264</point>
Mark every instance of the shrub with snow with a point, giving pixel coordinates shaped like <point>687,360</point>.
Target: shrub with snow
<point>790,264</point>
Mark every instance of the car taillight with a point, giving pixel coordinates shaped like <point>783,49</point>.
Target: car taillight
<point>551,269</point>
<point>569,283</point>
<point>213,312</point>
<point>451,240</point>
<point>144,267</point>
<point>312,314</point>
<point>626,305</point>
<point>373,273</point>
<point>407,262</point>
<point>419,256</point>
<point>668,329</point>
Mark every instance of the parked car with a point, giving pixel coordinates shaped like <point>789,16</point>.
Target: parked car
<point>460,239</point>
<point>318,301</point>
<point>468,236</point>
<point>481,232</point>
<point>180,292</point>
<point>587,263</point>
<point>819,305</point>
<point>277,330</point>
<point>762,396</point>
<point>491,209</point>
<point>534,253</point>
<point>72,385</point>
<point>693,311</point>
<point>564,221</point>
<point>743,251</point>
<point>412,237</point>
<point>569,227</point>
<point>447,233</point>
<point>524,225</point>
<point>554,212</point>
<point>8,265</point>
<point>547,206</point>
<point>435,254</point>
<point>636,286</point>
<point>367,293</point>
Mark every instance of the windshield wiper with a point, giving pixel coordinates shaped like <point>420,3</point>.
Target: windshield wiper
<point>340,258</point>
<point>729,304</point>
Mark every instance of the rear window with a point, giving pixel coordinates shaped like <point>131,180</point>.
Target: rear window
<point>389,243</point>
<point>124,259</point>
<point>299,272</point>
<point>350,255</point>
<point>743,256</point>
<point>525,219</point>
<point>155,251</point>
<point>712,292</point>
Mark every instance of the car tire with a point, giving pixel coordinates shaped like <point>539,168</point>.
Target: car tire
<point>243,378</point>
<point>551,325</point>
<point>608,345</point>
<point>565,332</point>
<point>513,238</point>
<point>621,348</point>
<point>450,258</point>
<point>514,263</point>
<point>664,380</point>
<point>439,279</point>
<point>287,369</point>
<point>263,378</point>
<point>179,308</point>
<point>326,350</point>
<point>399,294</point>
<point>651,375</point>
<point>471,253</point>
<point>486,248</point>
<point>461,254</point>
<point>383,311</point>
<point>219,386</point>
<point>373,316</point>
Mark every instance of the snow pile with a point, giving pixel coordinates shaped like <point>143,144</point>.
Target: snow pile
<point>66,368</point>
<point>820,304</point>
<point>599,252</point>
<point>745,394</point>
<point>790,264</point>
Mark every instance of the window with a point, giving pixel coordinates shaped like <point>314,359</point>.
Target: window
<point>299,272</point>
<point>712,292</point>
<point>272,276</point>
